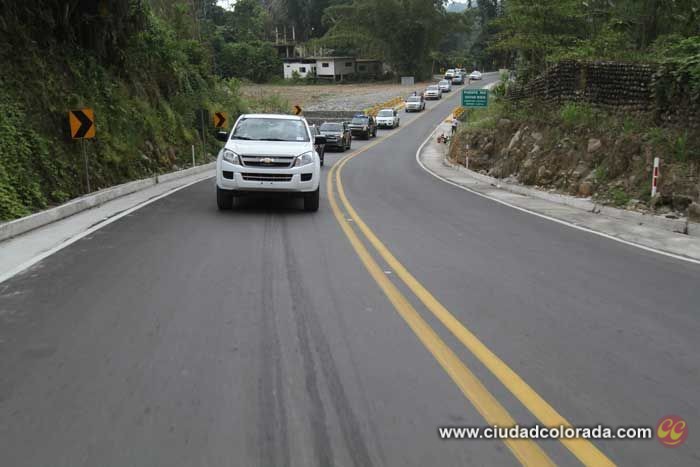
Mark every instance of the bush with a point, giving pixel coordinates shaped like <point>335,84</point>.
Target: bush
<point>144,107</point>
<point>576,114</point>
<point>256,61</point>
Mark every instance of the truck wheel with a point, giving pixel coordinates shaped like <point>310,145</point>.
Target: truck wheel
<point>224,199</point>
<point>311,200</point>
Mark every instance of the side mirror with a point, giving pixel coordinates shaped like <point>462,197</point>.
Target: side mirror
<point>222,136</point>
<point>320,139</point>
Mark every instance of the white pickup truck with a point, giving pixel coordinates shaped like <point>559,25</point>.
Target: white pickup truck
<point>388,118</point>
<point>269,153</point>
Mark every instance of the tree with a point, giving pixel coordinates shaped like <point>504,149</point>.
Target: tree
<point>404,31</point>
<point>247,22</point>
<point>256,61</point>
<point>537,30</point>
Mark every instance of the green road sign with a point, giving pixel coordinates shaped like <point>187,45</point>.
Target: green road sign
<point>475,98</point>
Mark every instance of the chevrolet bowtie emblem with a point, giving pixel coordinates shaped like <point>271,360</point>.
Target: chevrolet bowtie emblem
<point>267,160</point>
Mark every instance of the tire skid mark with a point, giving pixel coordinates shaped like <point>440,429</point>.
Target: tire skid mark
<point>310,333</point>
<point>273,440</point>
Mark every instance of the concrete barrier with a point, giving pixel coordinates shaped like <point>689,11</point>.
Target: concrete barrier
<point>74,206</point>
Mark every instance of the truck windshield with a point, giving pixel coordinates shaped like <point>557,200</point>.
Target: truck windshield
<point>385,113</point>
<point>271,129</point>
<point>360,120</point>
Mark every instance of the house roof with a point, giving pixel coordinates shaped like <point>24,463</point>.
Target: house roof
<point>333,58</point>
<point>299,60</point>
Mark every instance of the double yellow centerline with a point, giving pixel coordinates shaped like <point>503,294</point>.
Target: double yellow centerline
<point>526,451</point>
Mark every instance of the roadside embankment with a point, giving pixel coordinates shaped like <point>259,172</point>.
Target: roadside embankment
<point>580,151</point>
<point>646,231</point>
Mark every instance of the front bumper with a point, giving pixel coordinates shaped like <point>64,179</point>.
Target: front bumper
<point>334,142</point>
<point>287,180</point>
<point>386,124</point>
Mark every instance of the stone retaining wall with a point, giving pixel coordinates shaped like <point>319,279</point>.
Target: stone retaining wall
<point>623,87</point>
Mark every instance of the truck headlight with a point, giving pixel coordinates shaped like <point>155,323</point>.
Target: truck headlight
<point>232,157</point>
<point>304,159</point>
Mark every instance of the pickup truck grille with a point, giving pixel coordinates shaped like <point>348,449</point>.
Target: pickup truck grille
<point>268,161</point>
<point>253,177</point>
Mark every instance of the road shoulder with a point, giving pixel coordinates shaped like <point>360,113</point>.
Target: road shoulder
<point>647,234</point>
<point>22,251</point>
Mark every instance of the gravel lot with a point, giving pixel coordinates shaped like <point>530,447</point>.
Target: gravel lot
<point>332,96</point>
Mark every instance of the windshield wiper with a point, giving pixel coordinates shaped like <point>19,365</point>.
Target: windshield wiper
<point>272,139</point>
<point>241,137</point>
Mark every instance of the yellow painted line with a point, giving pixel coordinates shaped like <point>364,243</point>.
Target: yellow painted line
<point>583,449</point>
<point>526,451</point>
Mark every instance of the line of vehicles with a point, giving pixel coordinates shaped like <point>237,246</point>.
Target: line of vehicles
<point>283,154</point>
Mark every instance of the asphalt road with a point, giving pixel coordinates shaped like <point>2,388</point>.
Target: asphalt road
<point>181,335</point>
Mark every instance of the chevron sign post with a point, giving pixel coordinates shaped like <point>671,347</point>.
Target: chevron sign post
<point>82,127</point>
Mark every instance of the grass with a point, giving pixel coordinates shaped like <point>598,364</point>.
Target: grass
<point>619,197</point>
<point>575,114</point>
<point>484,118</point>
<point>601,173</point>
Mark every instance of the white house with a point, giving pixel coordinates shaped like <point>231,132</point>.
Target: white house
<point>304,67</point>
<point>335,67</point>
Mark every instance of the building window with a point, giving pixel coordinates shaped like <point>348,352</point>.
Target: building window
<point>348,64</point>
<point>324,65</point>
<point>302,69</point>
<point>363,68</point>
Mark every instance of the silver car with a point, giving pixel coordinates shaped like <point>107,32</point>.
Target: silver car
<point>445,85</point>
<point>433,92</point>
<point>415,103</point>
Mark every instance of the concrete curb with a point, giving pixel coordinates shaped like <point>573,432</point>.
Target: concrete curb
<point>42,218</point>
<point>585,204</point>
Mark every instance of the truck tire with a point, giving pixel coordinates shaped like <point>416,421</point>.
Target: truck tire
<point>311,200</point>
<point>224,199</point>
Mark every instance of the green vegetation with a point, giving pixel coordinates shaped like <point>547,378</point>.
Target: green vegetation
<point>574,114</point>
<point>404,33</point>
<point>530,35</point>
<point>619,197</point>
<point>143,80</point>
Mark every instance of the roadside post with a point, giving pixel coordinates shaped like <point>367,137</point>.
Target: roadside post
<point>655,177</point>
<point>201,116</point>
<point>193,161</point>
<point>82,127</point>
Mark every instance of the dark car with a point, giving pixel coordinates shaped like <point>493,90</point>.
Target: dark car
<point>363,125</point>
<point>320,148</point>
<point>338,135</point>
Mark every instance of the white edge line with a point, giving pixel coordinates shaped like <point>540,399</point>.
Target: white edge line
<point>544,216</point>
<point>29,263</point>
